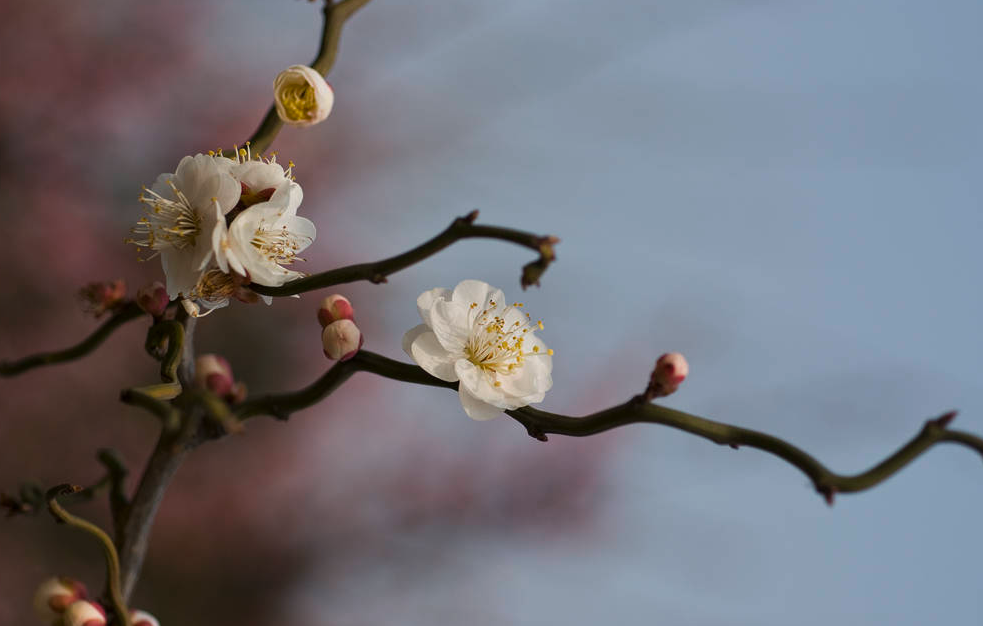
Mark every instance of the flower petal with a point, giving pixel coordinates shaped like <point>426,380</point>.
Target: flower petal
<point>475,408</point>
<point>422,345</point>
<point>425,302</point>
<point>478,292</point>
<point>449,321</point>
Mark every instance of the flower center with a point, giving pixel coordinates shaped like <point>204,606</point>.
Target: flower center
<point>279,245</point>
<point>497,346</point>
<point>168,223</point>
<point>298,101</point>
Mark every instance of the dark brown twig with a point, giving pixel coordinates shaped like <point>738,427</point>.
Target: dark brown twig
<point>461,228</point>
<point>540,423</point>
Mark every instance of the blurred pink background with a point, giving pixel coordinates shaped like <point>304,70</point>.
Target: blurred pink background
<point>95,101</point>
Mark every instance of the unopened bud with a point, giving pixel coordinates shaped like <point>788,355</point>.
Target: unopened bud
<point>341,340</point>
<point>214,373</point>
<point>302,96</point>
<point>84,613</point>
<point>55,594</point>
<point>153,298</point>
<point>670,371</point>
<point>97,298</point>
<point>142,618</point>
<point>334,308</point>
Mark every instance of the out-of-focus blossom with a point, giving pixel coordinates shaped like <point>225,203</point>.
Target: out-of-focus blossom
<point>470,334</point>
<point>98,298</point>
<point>213,372</point>
<point>153,298</point>
<point>333,308</point>
<point>184,218</point>
<point>54,595</point>
<point>302,96</point>
<point>84,613</point>
<point>142,618</point>
<point>341,340</point>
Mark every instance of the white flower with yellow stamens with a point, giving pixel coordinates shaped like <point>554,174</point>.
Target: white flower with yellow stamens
<point>259,177</point>
<point>470,335</point>
<point>302,96</point>
<point>267,236</point>
<point>185,218</point>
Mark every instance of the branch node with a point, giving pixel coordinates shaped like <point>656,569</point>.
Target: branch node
<point>378,279</point>
<point>536,433</point>
<point>828,493</point>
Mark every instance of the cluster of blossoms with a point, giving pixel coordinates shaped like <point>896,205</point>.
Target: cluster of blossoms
<point>220,223</point>
<point>63,601</point>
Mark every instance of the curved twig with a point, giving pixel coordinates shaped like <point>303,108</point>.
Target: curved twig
<point>335,16</point>
<point>116,473</point>
<point>109,550</point>
<point>637,410</point>
<point>461,228</point>
<point>129,311</point>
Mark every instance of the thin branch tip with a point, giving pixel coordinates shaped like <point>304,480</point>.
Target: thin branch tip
<point>943,421</point>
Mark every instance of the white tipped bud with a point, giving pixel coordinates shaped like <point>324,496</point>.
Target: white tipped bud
<point>214,373</point>
<point>153,298</point>
<point>302,96</point>
<point>84,613</point>
<point>334,308</point>
<point>670,371</point>
<point>55,594</point>
<point>142,618</point>
<point>341,340</point>
<point>672,368</point>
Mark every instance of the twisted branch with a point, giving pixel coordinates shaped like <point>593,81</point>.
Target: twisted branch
<point>637,410</point>
<point>109,550</point>
<point>461,228</point>
<point>129,311</point>
<point>335,16</point>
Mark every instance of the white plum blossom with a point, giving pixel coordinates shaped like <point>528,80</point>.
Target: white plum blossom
<point>470,335</point>
<point>267,236</point>
<point>185,216</point>
<point>302,96</point>
<point>220,223</point>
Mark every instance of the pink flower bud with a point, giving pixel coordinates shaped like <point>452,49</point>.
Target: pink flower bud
<point>97,298</point>
<point>55,594</point>
<point>142,618</point>
<point>334,308</point>
<point>670,370</point>
<point>214,373</point>
<point>341,340</point>
<point>153,298</point>
<point>84,613</point>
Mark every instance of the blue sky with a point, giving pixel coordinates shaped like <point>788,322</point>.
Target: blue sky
<point>786,192</point>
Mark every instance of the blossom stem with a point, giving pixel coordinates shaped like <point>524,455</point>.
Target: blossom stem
<point>540,423</point>
<point>335,16</point>
<point>461,228</point>
<point>129,311</point>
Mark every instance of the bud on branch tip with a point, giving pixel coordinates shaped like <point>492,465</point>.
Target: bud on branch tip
<point>670,371</point>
